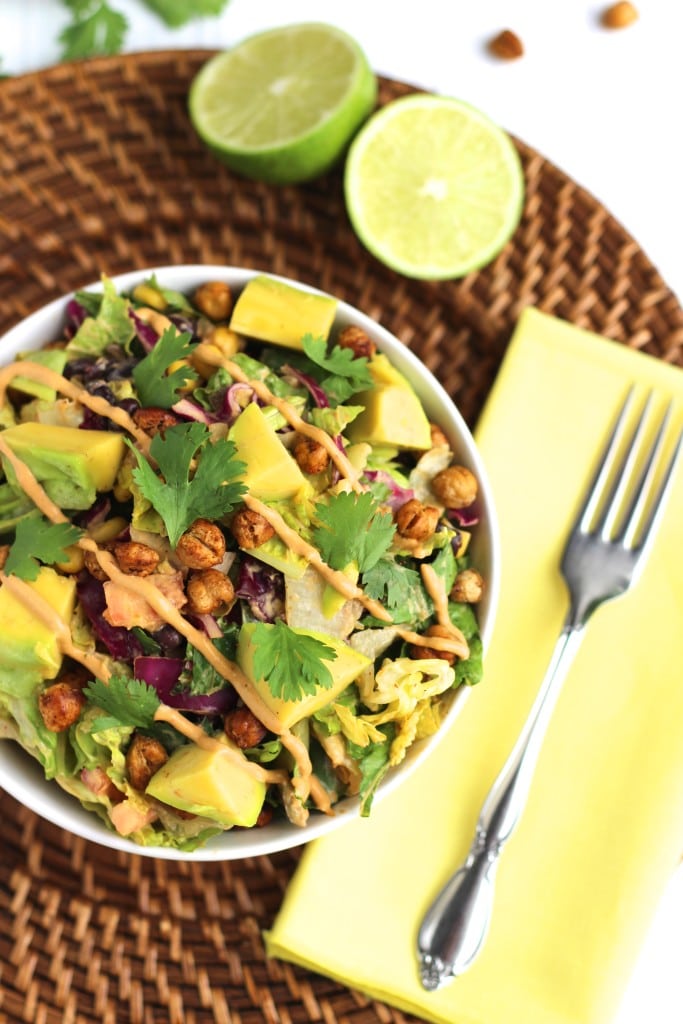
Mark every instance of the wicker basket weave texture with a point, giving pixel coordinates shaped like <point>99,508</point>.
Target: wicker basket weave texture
<point>100,171</point>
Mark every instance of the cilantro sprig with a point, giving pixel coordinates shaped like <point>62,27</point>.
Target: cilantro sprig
<point>39,541</point>
<point>346,374</point>
<point>125,701</point>
<point>98,28</point>
<point>352,529</point>
<point>292,663</point>
<point>156,383</point>
<point>180,496</point>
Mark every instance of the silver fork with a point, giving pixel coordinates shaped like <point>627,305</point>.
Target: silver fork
<point>604,553</point>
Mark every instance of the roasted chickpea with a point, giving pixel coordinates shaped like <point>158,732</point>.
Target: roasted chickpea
<point>213,299</point>
<point>415,520</point>
<point>243,728</point>
<point>202,546</point>
<point>468,586</point>
<point>135,559</point>
<point>60,705</point>
<point>250,529</point>
<point>208,590</point>
<point>439,439</point>
<point>144,757</point>
<point>358,341</point>
<point>417,651</point>
<point>311,456</point>
<point>455,486</point>
<point>155,421</point>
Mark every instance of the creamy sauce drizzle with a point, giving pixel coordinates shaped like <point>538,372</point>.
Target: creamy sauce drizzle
<point>98,405</point>
<point>211,355</point>
<point>437,591</point>
<point>299,546</point>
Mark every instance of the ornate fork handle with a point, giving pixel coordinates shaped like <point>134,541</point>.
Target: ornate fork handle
<point>455,926</point>
<point>604,551</point>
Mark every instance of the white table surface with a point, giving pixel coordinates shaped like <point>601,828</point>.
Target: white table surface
<point>603,106</point>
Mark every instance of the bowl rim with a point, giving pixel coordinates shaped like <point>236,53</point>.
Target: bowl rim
<point>47,799</point>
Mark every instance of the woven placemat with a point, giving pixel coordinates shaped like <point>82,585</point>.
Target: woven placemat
<point>100,171</point>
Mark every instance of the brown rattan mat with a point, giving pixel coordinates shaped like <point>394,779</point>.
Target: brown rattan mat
<point>100,171</point>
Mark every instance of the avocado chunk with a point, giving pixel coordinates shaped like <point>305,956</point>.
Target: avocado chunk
<point>272,474</point>
<point>281,314</point>
<point>71,464</point>
<point>206,782</point>
<point>30,651</point>
<point>276,554</point>
<point>393,414</point>
<point>53,359</point>
<point>346,667</point>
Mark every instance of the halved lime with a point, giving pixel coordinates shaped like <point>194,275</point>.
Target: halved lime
<point>434,189</point>
<point>281,106</point>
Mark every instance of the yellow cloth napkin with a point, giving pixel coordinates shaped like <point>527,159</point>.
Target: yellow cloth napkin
<point>603,830</point>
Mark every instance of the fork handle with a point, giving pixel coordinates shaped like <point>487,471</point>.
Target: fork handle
<point>454,928</point>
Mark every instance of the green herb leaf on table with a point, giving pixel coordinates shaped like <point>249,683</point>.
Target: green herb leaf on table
<point>346,373</point>
<point>352,530</point>
<point>125,701</point>
<point>39,541</point>
<point>178,12</point>
<point>95,28</point>
<point>293,664</point>
<point>179,496</point>
<point>154,383</point>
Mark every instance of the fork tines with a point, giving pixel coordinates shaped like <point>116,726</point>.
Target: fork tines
<point>629,489</point>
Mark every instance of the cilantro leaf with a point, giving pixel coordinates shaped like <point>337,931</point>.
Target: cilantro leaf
<point>178,12</point>
<point>373,762</point>
<point>352,530</point>
<point>155,384</point>
<point>127,702</point>
<point>38,540</point>
<point>95,29</point>
<point>399,588</point>
<point>346,373</point>
<point>211,493</point>
<point>292,663</point>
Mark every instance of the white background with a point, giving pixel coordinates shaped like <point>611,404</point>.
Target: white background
<point>604,106</point>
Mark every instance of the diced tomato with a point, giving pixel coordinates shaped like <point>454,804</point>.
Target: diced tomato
<point>128,609</point>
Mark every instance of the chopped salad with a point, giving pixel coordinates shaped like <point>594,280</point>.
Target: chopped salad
<point>236,581</point>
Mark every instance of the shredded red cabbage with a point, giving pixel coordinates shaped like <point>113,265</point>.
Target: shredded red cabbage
<point>464,517</point>
<point>397,495</point>
<point>191,411</point>
<point>263,588</point>
<point>234,401</point>
<point>147,336</point>
<point>163,675</point>
<point>317,393</point>
<point>75,315</point>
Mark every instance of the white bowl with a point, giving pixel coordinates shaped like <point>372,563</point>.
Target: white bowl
<point>22,777</point>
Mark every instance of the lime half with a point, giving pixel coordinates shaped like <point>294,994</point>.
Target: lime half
<point>434,189</point>
<point>282,106</point>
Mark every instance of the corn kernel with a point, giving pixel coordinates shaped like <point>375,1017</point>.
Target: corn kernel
<point>74,562</point>
<point>110,528</point>
<point>149,296</point>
